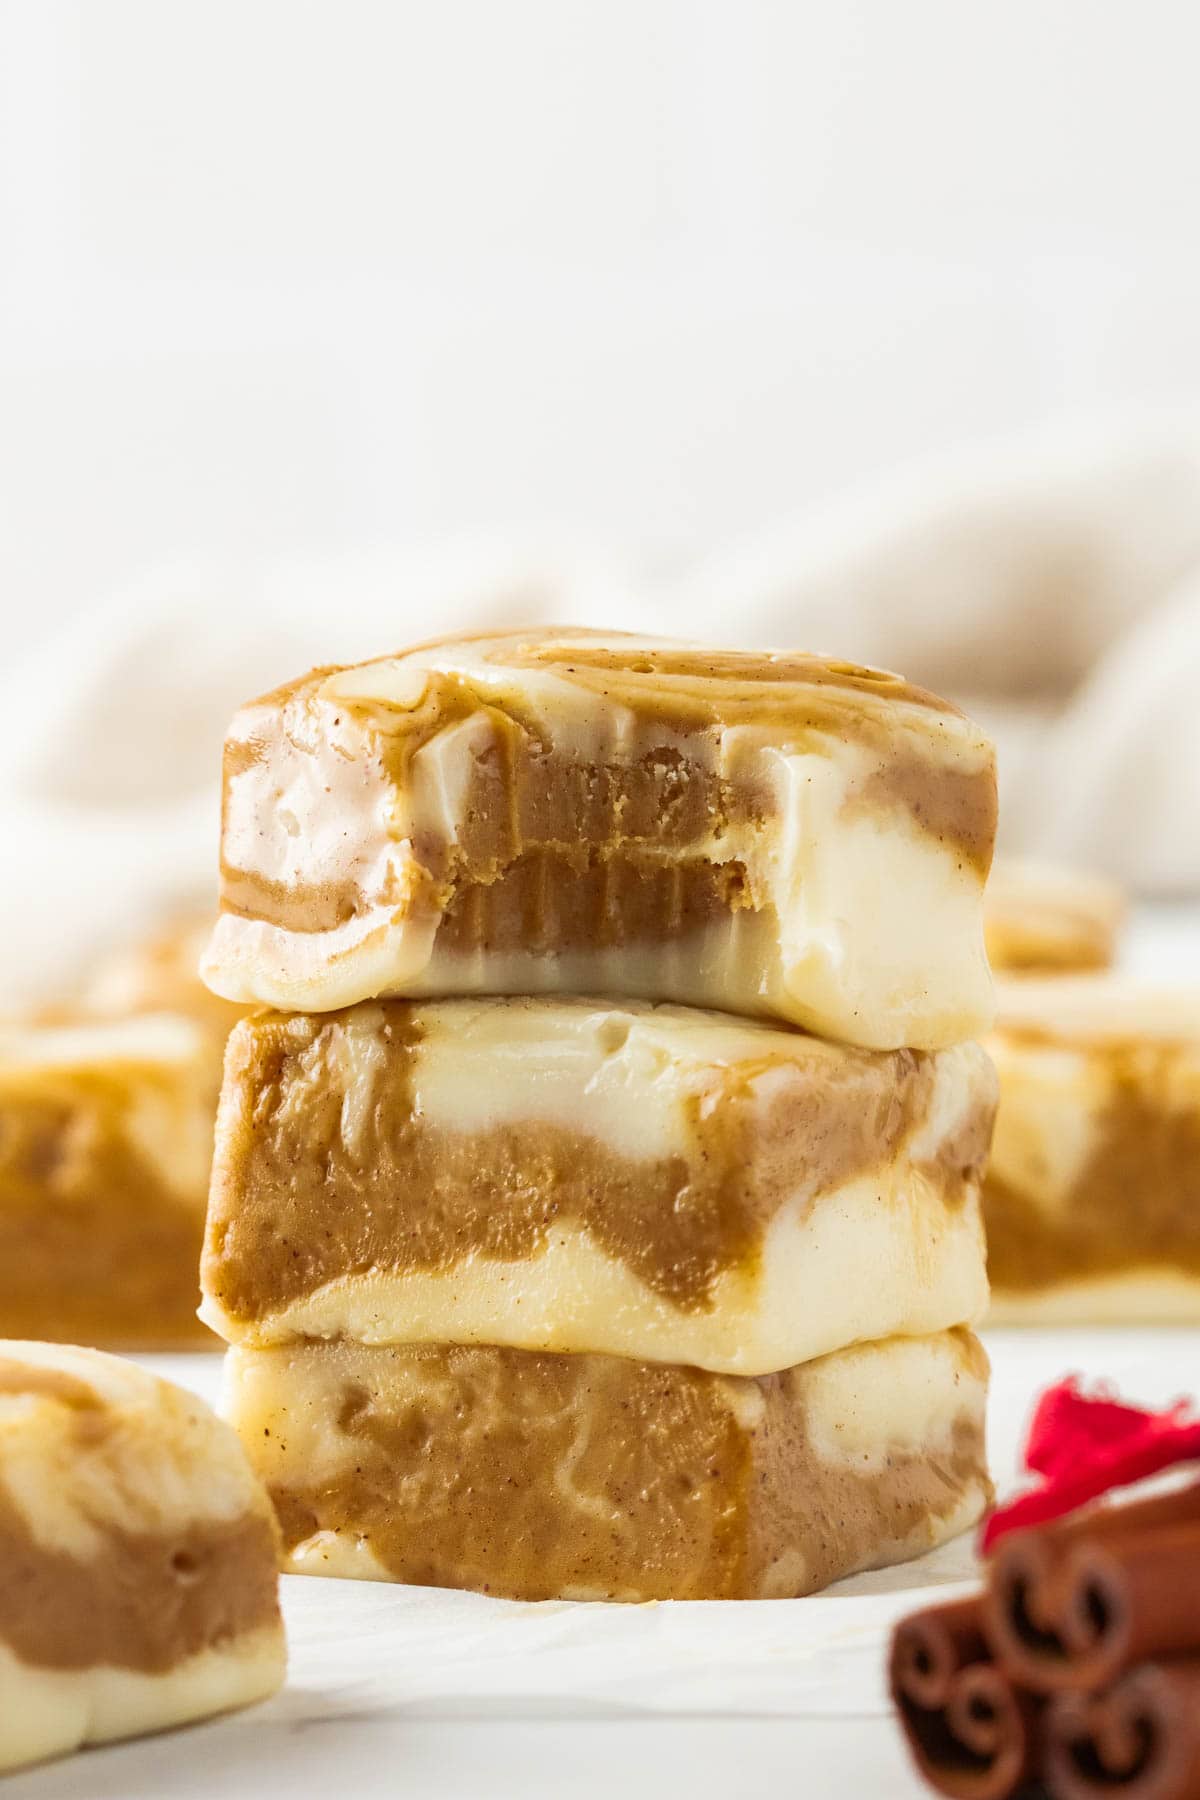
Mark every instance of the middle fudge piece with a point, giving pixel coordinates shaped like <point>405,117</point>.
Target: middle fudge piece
<point>563,1175</point>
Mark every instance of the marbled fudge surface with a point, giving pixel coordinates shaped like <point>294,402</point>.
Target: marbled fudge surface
<point>138,1556</point>
<point>105,1143</point>
<point>1092,1198</point>
<point>767,833</point>
<point>572,1175</point>
<point>600,1478</point>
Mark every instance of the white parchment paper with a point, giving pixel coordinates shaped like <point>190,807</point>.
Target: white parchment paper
<point>361,1648</point>
<point>436,1695</point>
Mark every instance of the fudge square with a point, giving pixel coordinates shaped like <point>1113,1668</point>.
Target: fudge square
<point>106,1130</point>
<point>766,833</point>
<point>1092,1196</point>
<point>138,1557</point>
<point>599,1478</point>
<point>570,1175</point>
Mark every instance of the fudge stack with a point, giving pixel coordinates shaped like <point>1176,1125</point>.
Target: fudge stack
<point>596,1212</point>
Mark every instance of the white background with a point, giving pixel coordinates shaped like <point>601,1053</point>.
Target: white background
<point>292,279</point>
<point>638,277</point>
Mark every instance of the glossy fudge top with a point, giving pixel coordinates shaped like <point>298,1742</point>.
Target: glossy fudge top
<point>763,832</point>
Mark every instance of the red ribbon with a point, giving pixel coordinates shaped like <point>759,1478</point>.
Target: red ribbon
<point>1084,1444</point>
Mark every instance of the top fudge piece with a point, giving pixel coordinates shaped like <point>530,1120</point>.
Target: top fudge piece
<point>763,833</point>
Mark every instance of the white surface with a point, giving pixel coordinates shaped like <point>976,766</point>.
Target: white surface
<point>448,1696</point>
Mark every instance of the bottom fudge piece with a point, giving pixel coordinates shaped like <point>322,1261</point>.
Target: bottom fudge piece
<point>105,1144</point>
<point>543,1476</point>
<point>138,1557</point>
<point>1092,1197</point>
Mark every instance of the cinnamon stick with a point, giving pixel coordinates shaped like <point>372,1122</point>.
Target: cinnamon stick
<point>1138,1741</point>
<point>971,1733</point>
<point>1071,1607</point>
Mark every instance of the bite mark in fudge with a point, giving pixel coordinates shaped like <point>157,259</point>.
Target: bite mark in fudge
<point>765,833</point>
<point>503,1170</point>
<point>593,1477</point>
